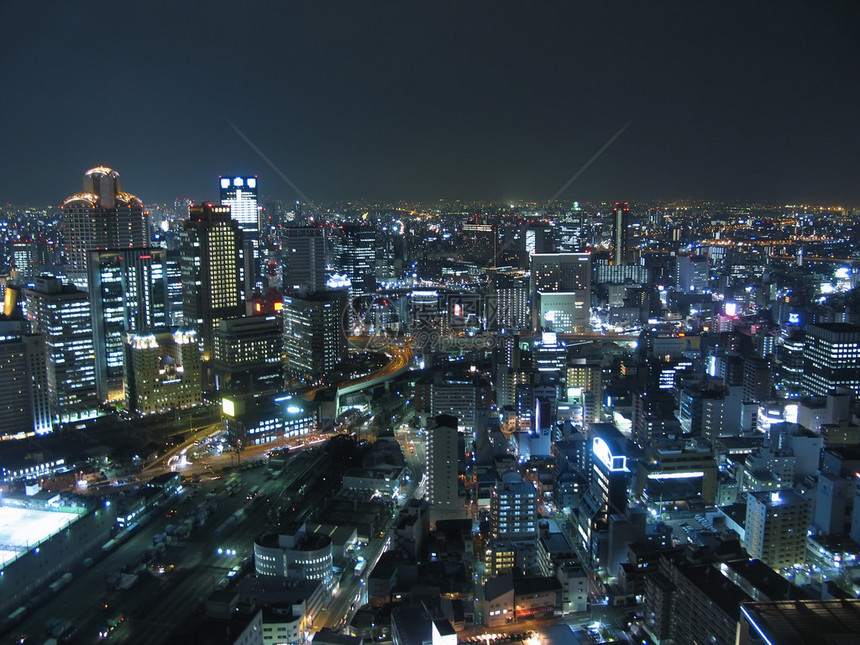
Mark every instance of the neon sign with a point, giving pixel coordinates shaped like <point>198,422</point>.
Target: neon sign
<point>614,463</point>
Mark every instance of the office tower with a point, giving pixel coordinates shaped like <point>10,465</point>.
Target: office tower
<point>63,316</point>
<point>128,293</point>
<point>622,243</point>
<point>776,526</point>
<point>101,217</point>
<point>513,508</point>
<point>585,385</point>
<point>479,242</point>
<point>210,259</point>
<point>832,358</point>
<point>303,256</point>
<point>24,402</point>
<point>314,336</point>
<point>442,458</point>
<point>561,291</point>
<point>703,411</point>
<point>507,303</point>
<point>571,234</point>
<point>692,273</point>
<point>358,258</point>
<point>22,255</point>
<point>240,194</point>
<point>247,355</point>
<point>173,273</point>
<point>162,372</point>
<point>606,494</point>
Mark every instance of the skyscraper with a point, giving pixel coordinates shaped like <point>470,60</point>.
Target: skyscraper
<point>210,258</point>
<point>101,217</point>
<point>303,259</point>
<point>162,372</point>
<point>832,358</point>
<point>128,292</point>
<point>240,194</point>
<point>621,234</point>
<point>561,291</point>
<point>62,314</point>
<point>314,336</point>
<point>358,259</point>
<point>24,404</point>
<point>442,464</point>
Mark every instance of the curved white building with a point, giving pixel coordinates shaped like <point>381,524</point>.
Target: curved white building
<point>296,554</point>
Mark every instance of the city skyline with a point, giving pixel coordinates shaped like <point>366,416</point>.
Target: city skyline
<point>475,102</point>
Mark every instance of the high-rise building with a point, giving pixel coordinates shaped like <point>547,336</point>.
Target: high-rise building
<point>571,233</point>
<point>314,335</point>
<point>832,358</point>
<point>24,403</point>
<point>606,494</point>
<point>128,293</point>
<point>507,303</point>
<point>240,194</point>
<point>514,508</point>
<point>442,464</point>
<point>692,273</point>
<point>162,372</point>
<point>303,259</point>
<point>62,314</point>
<point>210,259</point>
<point>101,217</point>
<point>358,258</point>
<point>561,291</point>
<point>776,526</point>
<point>247,355</point>
<point>621,234</point>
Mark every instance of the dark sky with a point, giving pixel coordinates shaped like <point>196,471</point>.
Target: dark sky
<point>423,100</point>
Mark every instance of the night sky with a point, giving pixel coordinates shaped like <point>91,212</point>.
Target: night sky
<point>426,100</point>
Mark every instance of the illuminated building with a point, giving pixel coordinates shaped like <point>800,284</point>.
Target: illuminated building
<point>561,291</point>
<point>247,355</point>
<point>62,315</point>
<point>442,456</point>
<point>571,232</point>
<point>622,242</point>
<point>101,217</point>
<point>162,372</point>
<point>606,494</point>
<point>792,622</point>
<point>240,194</point>
<point>128,292</point>
<point>513,508</point>
<point>584,383</point>
<point>508,303</point>
<point>24,404</point>
<point>210,259</point>
<point>692,273</point>
<point>303,259</point>
<point>675,471</point>
<point>296,553</point>
<point>314,335</point>
<point>257,419</point>
<point>358,258</point>
<point>479,242</point>
<point>831,358</point>
<point>776,526</point>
